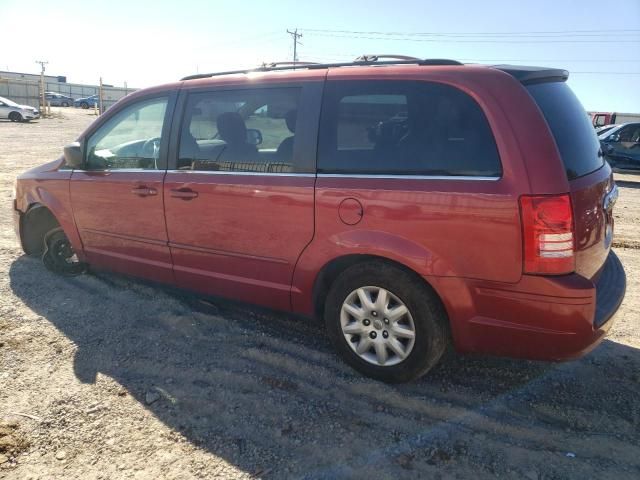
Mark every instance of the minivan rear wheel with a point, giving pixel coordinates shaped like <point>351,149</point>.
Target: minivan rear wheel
<point>385,322</point>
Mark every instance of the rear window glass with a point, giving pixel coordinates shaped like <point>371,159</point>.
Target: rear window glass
<point>571,127</point>
<point>404,128</point>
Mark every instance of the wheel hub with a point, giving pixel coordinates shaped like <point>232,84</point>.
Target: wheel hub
<point>377,325</point>
<point>59,255</point>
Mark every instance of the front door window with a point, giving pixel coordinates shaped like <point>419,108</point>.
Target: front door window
<point>129,140</point>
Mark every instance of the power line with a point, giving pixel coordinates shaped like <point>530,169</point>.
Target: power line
<point>491,34</point>
<point>325,54</point>
<point>448,40</point>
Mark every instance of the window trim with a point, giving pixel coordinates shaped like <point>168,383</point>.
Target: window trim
<point>244,173</point>
<point>406,85</point>
<point>171,97</point>
<point>385,176</point>
<point>307,123</point>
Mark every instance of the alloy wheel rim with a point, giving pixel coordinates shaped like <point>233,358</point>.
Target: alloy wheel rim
<point>377,326</point>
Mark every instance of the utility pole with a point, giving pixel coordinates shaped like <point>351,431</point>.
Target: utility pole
<point>295,35</point>
<point>42,99</point>
<point>100,97</point>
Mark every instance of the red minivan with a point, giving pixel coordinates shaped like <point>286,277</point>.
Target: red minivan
<point>412,204</point>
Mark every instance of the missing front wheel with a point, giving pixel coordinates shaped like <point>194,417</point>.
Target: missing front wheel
<point>58,255</point>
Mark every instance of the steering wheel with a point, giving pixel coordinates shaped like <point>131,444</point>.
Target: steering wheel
<point>151,149</point>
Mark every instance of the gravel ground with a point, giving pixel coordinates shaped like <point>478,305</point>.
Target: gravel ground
<point>104,377</point>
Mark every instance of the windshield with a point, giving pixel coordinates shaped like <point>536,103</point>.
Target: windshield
<point>606,128</point>
<point>6,101</point>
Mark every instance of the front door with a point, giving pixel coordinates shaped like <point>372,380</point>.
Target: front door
<point>239,195</point>
<point>117,199</point>
<point>4,110</point>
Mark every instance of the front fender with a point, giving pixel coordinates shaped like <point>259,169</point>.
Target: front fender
<point>46,187</point>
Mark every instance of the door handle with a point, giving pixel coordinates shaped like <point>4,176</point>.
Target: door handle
<point>143,191</point>
<point>184,193</point>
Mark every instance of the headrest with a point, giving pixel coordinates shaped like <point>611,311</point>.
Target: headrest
<point>231,127</point>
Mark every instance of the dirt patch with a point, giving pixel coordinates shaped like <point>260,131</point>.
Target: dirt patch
<point>127,380</point>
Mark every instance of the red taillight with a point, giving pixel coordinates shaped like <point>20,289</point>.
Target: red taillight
<point>547,227</point>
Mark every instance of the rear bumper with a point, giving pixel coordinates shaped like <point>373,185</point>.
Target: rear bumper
<point>611,286</point>
<point>538,318</point>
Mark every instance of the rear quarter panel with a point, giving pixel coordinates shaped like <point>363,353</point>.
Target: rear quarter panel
<point>441,227</point>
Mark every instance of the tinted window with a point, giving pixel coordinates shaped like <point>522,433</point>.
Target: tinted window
<point>130,139</point>
<point>404,128</point>
<point>573,132</point>
<point>630,134</point>
<point>241,130</point>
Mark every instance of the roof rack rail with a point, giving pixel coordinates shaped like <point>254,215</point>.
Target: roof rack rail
<point>375,58</point>
<point>291,64</point>
<point>365,60</point>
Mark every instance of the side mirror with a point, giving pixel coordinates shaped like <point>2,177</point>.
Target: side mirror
<point>613,138</point>
<point>73,155</point>
<point>254,136</point>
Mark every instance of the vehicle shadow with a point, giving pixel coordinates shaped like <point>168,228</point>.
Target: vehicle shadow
<point>266,392</point>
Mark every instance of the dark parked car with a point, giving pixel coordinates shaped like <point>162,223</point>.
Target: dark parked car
<point>412,204</point>
<point>58,100</point>
<point>87,102</point>
<point>621,146</point>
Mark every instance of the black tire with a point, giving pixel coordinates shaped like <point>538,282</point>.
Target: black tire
<point>429,318</point>
<point>64,104</point>
<point>84,105</point>
<point>58,254</point>
<point>15,117</point>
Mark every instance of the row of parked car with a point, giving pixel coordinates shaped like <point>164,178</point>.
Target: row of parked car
<point>23,113</point>
<point>59,100</point>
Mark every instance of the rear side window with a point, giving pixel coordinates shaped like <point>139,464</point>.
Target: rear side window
<point>571,127</point>
<point>404,128</point>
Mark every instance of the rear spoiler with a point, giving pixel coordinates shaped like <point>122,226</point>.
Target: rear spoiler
<point>528,75</point>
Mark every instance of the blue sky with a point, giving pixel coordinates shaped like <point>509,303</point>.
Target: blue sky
<point>146,43</point>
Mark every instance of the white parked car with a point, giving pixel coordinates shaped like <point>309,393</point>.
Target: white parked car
<point>17,113</point>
